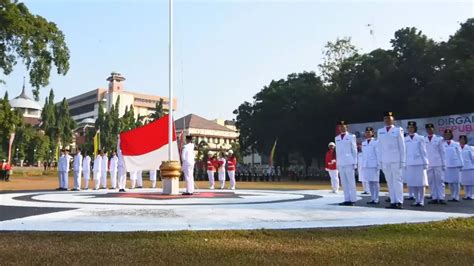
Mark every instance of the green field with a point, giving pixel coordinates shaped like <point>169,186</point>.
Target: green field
<point>439,243</point>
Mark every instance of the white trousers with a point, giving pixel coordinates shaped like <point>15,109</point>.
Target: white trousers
<point>122,178</point>
<point>454,189</point>
<point>96,180</point>
<point>188,171</point>
<point>103,179</point>
<point>365,186</point>
<point>87,176</point>
<point>347,174</point>
<point>374,187</point>
<point>77,179</point>
<point>418,194</point>
<point>63,179</point>
<point>140,179</point>
<point>334,175</point>
<point>436,182</point>
<point>468,191</point>
<point>113,179</point>
<point>393,175</point>
<point>221,176</point>
<point>232,179</point>
<point>411,192</point>
<point>210,176</point>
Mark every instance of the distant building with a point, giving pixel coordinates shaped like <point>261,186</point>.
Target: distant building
<point>29,108</point>
<point>216,135</point>
<point>85,107</point>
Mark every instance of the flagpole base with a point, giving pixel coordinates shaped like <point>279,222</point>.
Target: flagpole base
<point>170,171</point>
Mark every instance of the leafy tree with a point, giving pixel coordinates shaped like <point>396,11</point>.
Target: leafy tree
<point>31,38</point>
<point>159,112</point>
<point>65,124</point>
<point>10,120</point>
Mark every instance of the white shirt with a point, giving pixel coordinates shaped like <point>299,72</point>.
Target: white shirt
<point>105,162</point>
<point>78,162</point>
<point>416,150</point>
<point>86,164</point>
<point>369,154</point>
<point>63,163</point>
<point>187,154</point>
<point>113,164</point>
<point>98,163</point>
<point>222,163</point>
<point>468,157</point>
<point>435,151</point>
<point>452,153</point>
<point>346,150</point>
<point>391,145</point>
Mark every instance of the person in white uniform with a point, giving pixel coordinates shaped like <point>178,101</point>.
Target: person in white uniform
<point>417,164</point>
<point>454,164</point>
<point>346,157</point>
<point>104,168</point>
<point>467,172</point>
<point>392,159</point>
<point>221,170</point>
<point>113,170</point>
<point>331,167</point>
<point>77,168</point>
<point>436,165</point>
<point>187,157</point>
<point>63,169</point>
<point>86,170</point>
<point>369,165</point>
<point>153,178</point>
<point>121,171</point>
<point>97,170</point>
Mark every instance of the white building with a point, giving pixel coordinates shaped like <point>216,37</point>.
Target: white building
<point>29,108</point>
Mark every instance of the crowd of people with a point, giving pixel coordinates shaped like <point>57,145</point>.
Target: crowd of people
<point>416,160</point>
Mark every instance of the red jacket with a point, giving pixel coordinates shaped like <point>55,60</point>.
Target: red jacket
<point>212,164</point>
<point>231,163</point>
<point>330,156</point>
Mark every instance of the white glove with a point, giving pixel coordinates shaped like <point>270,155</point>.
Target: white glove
<point>425,167</point>
<point>327,169</point>
<point>355,166</point>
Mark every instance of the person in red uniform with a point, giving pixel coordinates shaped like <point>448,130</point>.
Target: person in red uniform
<point>331,167</point>
<point>211,168</point>
<point>231,165</point>
<point>7,167</point>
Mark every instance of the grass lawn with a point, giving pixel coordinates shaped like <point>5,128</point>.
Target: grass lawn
<point>440,243</point>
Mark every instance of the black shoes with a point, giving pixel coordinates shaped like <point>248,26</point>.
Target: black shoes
<point>347,203</point>
<point>467,198</point>
<point>453,200</point>
<point>187,194</point>
<point>417,205</point>
<point>121,190</point>
<point>396,206</point>
<point>365,193</point>
<point>387,199</point>
<point>410,198</point>
<point>372,202</point>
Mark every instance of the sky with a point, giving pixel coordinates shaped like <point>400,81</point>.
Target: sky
<point>225,50</point>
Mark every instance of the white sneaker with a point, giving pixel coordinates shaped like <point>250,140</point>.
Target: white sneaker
<point>232,188</point>
<point>211,188</point>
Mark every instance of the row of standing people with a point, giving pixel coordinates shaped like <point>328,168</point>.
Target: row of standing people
<point>417,160</point>
<point>84,168</point>
<point>218,164</point>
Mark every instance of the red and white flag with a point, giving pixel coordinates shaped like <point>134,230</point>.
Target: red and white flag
<point>144,148</point>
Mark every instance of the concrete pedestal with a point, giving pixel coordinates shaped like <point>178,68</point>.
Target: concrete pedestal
<point>170,172</point>
<point>170,186</point>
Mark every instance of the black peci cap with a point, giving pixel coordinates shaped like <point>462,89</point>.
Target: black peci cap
<point>448,131</point>
<point>411,123</point>
<point>369,129</point>
<point>385,114</point>
<point>429,125</point>
<point>341,123</point>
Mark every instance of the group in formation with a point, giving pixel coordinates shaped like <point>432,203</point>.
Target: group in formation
<point>102,168</point>
<point>419,161</point>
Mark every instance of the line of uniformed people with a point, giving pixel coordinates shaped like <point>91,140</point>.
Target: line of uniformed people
<point>98,170</point>
<point>417,160</point>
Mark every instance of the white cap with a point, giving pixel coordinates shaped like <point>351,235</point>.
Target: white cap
<point>230,152</point>
<point>331,144</point>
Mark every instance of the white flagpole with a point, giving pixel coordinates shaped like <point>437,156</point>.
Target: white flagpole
<point>170,100</point>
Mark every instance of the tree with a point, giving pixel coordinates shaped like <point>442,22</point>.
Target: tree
<point>31,38</point>
<point>334,54</point>
<point>65,124</point>
<point>10,120</point>
<point>159,112</point>
<point>48,120</point>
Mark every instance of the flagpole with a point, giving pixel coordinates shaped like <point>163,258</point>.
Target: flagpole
<point>170,66</point>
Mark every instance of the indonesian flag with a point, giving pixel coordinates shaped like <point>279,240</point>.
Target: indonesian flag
<point>144,148</point>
